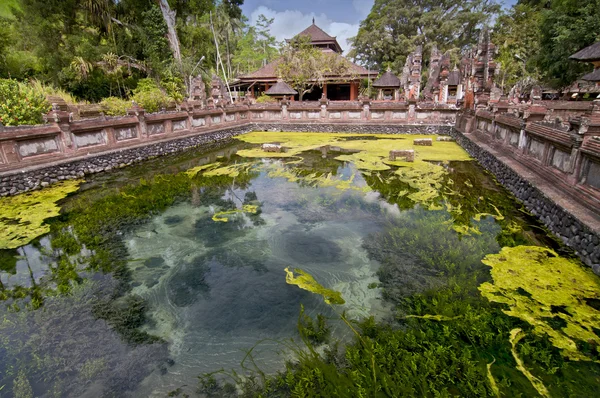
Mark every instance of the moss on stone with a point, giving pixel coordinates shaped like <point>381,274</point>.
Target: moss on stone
<point>22,217</point>
<point>537,286</point>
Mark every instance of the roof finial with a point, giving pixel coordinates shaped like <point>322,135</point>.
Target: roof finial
<point>313,20</point>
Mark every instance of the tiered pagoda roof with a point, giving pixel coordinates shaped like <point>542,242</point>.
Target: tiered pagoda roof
<point>320,39</point>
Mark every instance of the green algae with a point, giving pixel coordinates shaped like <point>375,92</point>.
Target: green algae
<point>195,170</point>
<point>491,379</point>
<point>305,281</point>
<point>315,180</point>
<point>22,217</point>
<point>223,216</point>
<point>372,149</point>
<point>539,286</point>
<point>515,336</point>
<point>233,170</point>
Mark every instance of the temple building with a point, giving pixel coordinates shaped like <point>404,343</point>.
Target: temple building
<point>590,54</point>
<point>336,88</point>
<point>388,86</point>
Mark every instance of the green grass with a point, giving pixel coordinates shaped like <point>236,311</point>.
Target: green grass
<point>5,8</point>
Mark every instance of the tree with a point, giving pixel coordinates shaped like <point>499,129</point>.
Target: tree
<point>256,47</point>
<point>394,28</point>
<point>305,67</point>
<point>517,37</point>
<point>567,26</point>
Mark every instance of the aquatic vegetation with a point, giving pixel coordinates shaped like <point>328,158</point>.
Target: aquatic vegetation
<point>195,170</point>
<point>315,180</point>
<point>223,216</point>
<point>539,287</point>
<point>515,336</point>
<point>232,170</point>
<point>306,281</point>
<point>22,216</point>
<point>372,154</point>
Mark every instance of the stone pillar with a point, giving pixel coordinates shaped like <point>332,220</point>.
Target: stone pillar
<point>523,138</point>
<point>323,101</point>
<point>63,120</point>
<point>366,103</point>
<point>140,113</point>
<point>284,108</point>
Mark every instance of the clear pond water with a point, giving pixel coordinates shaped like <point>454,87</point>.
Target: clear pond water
<point>155,274</point>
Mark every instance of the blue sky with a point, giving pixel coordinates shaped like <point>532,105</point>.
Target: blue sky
<point>339,18</point>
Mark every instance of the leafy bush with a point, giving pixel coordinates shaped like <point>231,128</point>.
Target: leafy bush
<point>21,104</point>
<point>115,106</point>
<point>265,98</point>
<point>149,96</point>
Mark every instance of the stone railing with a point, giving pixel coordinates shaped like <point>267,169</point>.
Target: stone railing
<point>565,153</point>
<point>63,138</point>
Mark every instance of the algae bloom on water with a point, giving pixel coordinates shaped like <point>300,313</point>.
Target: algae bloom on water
<point>22,217</point>
<point>541,288</point>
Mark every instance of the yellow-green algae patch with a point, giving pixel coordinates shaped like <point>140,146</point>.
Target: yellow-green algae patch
<point>316,179</point>
<point>538,286</point>
<point>515,336</point>
<point>22,217</point>
<point>195,170</point>
<point>232,170</point>
<point>373,153</point>
<point>305,281</point>
<point>223,216</point>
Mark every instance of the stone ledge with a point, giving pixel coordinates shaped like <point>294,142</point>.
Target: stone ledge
<point>572,223</point>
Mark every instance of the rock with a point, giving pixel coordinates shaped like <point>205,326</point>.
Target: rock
<point>407,154</point>
<point>272,148</point>
<point>423,142</point>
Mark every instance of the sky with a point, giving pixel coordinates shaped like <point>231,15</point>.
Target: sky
<point>339,18</point>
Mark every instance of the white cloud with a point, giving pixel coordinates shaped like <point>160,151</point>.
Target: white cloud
<point>289,23</point>
<point>363,7</point>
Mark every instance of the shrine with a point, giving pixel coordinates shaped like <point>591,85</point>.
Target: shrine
<point>336,88</point>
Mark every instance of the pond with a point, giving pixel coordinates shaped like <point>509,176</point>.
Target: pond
<point>313,266</point>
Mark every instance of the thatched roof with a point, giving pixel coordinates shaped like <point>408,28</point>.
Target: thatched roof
<point>593,76</point>
<point>388,79</point>
<point>588,54</point>
<point>281,88</point>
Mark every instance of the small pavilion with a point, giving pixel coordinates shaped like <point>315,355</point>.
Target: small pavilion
<point>281,89</point>
<point>590,54</point>
<point>388,86</point>
<point>336,88</point>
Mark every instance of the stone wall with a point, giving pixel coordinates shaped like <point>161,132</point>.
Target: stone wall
<point>355,128</point>
<point>573,232</point>
<point>22,181</point>
<point>63,139</point>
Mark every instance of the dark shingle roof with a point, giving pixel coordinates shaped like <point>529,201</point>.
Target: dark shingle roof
<point>590,53</point>
<point>281,88</point>
<point>269,71</point>
<point>454,78</point>
<point>388,79</point>
<point>319,37</point>
<point>592,76</point>
<point>316,34</point>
